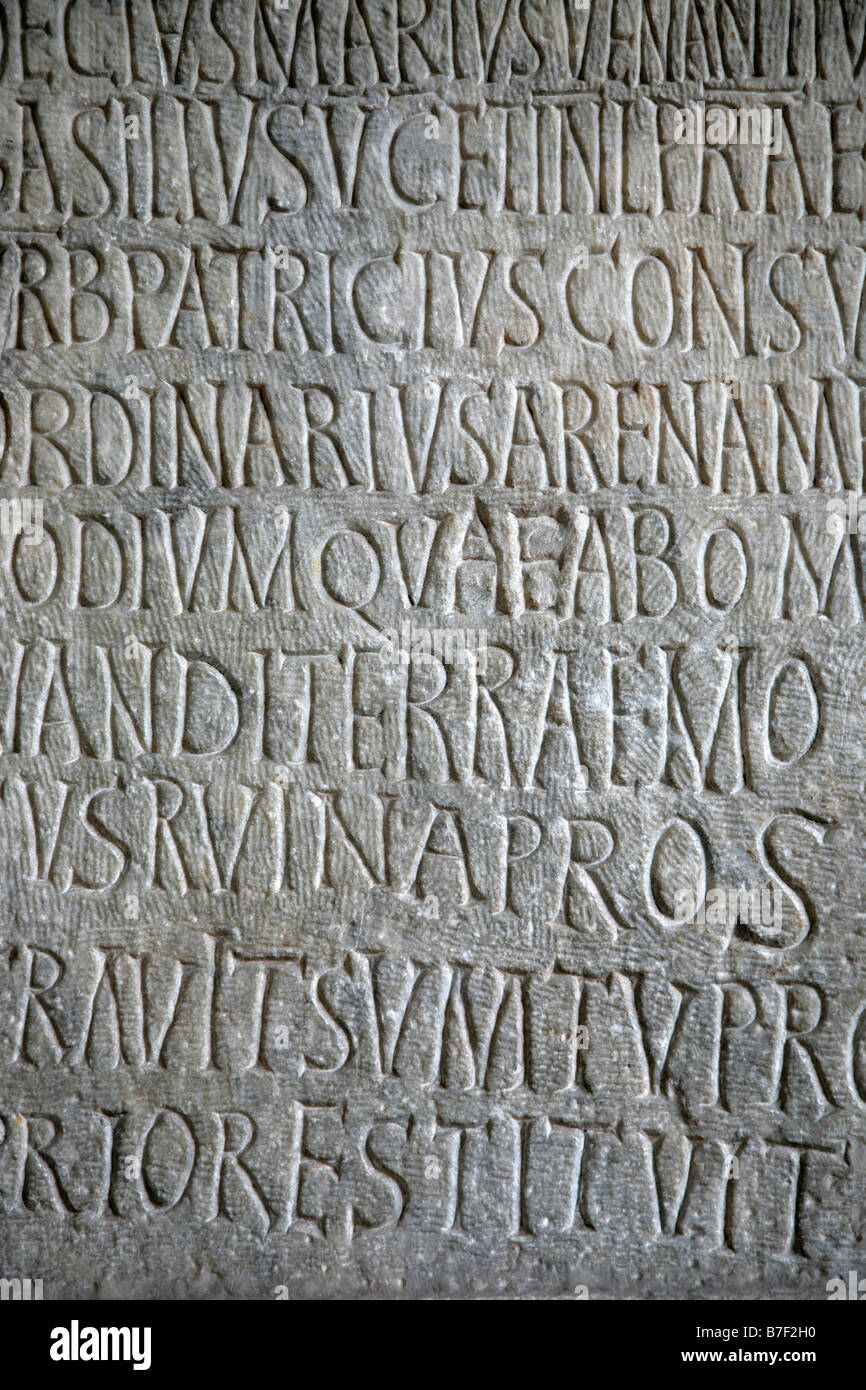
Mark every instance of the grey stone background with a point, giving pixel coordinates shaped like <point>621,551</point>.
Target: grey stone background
<point>325,326</point>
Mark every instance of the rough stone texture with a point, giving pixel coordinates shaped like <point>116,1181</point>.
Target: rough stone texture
<point>332,974</point>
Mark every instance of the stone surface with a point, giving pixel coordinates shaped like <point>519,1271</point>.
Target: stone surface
<point>433,687</point>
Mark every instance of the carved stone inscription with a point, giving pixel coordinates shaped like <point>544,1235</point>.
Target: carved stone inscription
<point>432,668</point>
